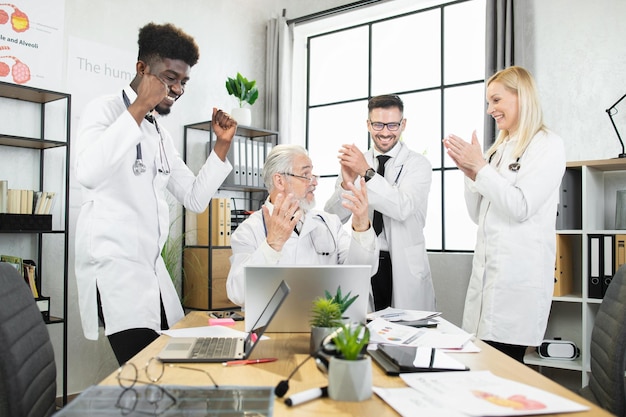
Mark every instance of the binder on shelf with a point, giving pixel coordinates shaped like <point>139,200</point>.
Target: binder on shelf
<point>596,263</point>
<point>227,222</point>
<point>202,231</point>
<point>564,266</point>
<point>569,212</point>
<point>236,147</point>
<point>217,221</point>
<point>249,163</point>
<point>262,156</point>
<point>258,155</point>
<point>609,261</point>
<point>620,251</point>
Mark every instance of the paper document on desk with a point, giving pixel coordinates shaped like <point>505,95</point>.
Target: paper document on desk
<point>397,314</point>
<point>480,393</point>
<point>383,331</point>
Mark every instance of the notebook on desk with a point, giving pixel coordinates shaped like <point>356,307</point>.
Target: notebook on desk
<point>307,282</point>
<point>225,348</point>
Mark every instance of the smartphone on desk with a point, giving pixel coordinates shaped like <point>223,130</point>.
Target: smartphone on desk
<point>226,314</point>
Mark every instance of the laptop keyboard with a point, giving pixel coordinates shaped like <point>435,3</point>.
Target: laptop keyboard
<point>215,347</point>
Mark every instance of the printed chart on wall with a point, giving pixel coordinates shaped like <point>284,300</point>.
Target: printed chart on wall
<point>31,42</point>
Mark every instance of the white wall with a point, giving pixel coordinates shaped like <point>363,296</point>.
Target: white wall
<point>573,47</point>
<point>576,51</point>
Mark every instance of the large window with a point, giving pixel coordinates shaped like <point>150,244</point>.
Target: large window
<point>433,57</point>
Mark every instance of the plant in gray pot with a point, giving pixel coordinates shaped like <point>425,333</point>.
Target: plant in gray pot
<point>350,373</point>
<point>327,315</point>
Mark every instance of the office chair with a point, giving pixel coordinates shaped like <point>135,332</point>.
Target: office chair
<point>27,367</point>
<point>608,349</point>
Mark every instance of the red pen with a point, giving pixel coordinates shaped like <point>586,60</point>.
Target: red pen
<point>248,361</point>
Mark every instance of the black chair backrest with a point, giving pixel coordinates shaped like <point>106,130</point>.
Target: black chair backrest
<point>27,367</point>
<point>608,347</point>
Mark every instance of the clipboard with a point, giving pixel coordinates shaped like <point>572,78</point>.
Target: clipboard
<point>397,359</point>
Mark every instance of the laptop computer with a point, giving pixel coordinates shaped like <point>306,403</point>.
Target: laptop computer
<point>307,282</point>
<point>225,348</point>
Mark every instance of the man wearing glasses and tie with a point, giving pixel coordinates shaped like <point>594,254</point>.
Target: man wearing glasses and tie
<point>398,181</point>
<point>287,230</point>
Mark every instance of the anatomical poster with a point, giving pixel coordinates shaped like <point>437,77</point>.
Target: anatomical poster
<point>31,43</point>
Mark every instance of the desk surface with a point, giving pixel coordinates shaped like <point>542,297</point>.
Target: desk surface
<point>292,349</point>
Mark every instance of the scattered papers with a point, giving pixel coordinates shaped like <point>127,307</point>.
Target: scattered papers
<point>383,331</point>
<point>397,314</point>
<point>478,393</point>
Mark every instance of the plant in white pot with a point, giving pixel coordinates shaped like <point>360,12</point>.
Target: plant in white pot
<point>246,92</point>
<point>350,373</point>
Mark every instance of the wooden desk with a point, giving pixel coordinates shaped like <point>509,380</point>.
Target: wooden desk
<point>291,349</point>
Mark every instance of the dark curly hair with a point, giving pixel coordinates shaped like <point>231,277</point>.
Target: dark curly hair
<point>166,41</point>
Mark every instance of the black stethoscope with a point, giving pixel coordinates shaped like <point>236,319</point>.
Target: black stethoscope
<point>513,166</point>
<point>138,166</point>
<point>318,240</point>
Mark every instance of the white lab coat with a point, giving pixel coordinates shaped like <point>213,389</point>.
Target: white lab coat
<point>321,233</point>
<point>402,198</point>
<point>124,219</point>
<point>510,289</point>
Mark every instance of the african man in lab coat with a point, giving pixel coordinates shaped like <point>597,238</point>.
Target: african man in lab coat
<point>399,198</point>
<point>126,163</point>
<point>288,231</point>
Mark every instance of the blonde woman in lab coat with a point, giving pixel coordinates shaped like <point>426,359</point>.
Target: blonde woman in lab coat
<point>512,194</point>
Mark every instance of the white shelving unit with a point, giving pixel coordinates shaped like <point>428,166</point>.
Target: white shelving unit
<point>573,315</point>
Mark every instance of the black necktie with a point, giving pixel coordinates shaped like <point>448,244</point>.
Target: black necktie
<point>378,218</point>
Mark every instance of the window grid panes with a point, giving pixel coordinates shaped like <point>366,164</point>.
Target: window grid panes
<point>434,59</point>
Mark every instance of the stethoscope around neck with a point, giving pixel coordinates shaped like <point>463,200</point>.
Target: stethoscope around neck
<point>139,167</point>
<point>317,240</point>
<point>513,166</point>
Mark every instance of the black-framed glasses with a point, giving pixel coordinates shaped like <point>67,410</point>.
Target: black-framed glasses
<point>127,374</point>
<point>392,127</point>
<point>310,179</point>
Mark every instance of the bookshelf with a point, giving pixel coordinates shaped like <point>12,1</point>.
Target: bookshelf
<point>38,139</point>
<point>205,262</point>
<point>587,209</point>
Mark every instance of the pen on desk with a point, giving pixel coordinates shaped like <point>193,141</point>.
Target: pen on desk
<point>307,395</point>
<point>248,361</point>
<point>432,357</point>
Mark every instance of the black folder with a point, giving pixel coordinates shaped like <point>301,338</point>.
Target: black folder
<point>397,359</point>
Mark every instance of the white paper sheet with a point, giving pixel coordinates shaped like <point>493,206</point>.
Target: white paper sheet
<point>482,393</point>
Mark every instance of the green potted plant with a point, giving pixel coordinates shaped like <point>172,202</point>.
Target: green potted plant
<point>244,91</point>
<point>343,301</point>
<point>327,314</point>
<point>350,373</point>
<point>325,318</point>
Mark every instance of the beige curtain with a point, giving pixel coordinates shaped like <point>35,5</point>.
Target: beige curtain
<point>278,76</point>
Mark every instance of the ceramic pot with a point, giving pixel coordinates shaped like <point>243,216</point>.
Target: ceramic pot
<point>242,115</point>
<point>350,380</point>
<point>318,334</point>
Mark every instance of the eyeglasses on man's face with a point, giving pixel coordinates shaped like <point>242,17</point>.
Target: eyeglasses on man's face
<point>311,179</point>
<point>392,127</point>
